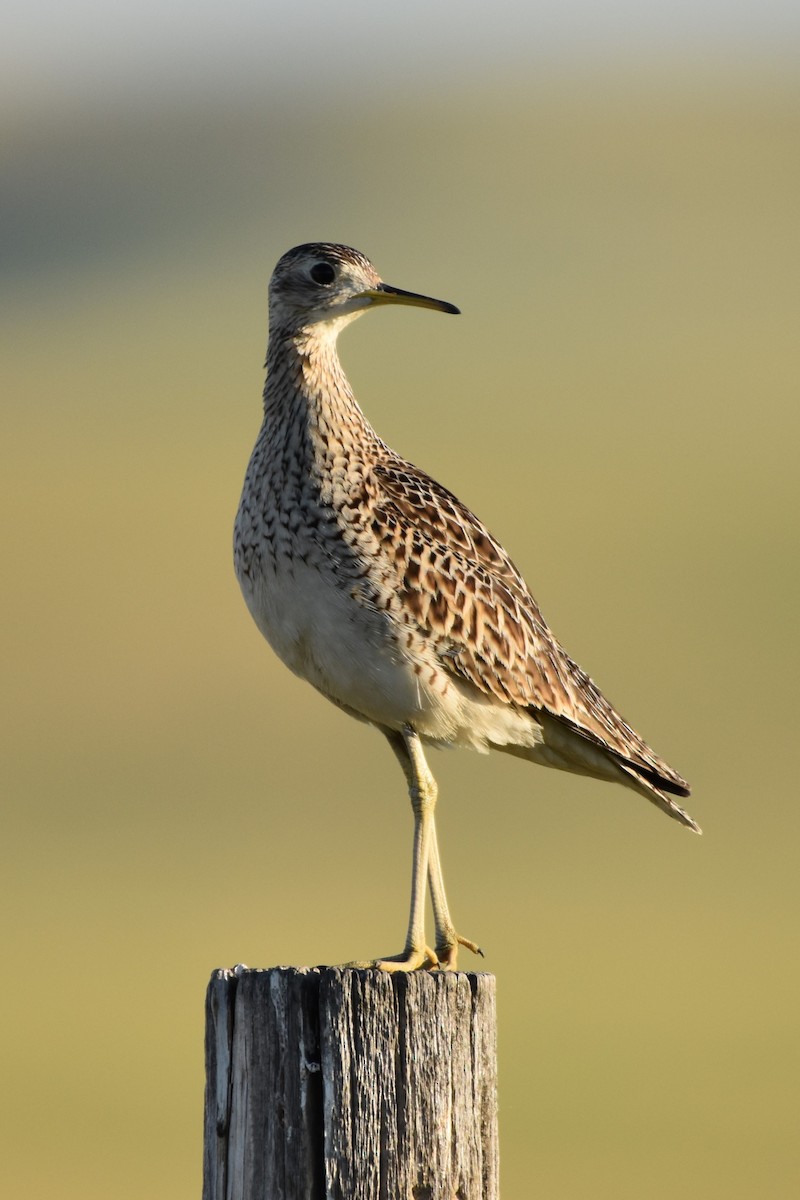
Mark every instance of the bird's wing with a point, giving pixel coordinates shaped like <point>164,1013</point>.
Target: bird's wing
<point>465,592</point>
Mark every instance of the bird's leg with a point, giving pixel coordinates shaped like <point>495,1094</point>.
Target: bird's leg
<point>423,791</point>
<point>447,940</point>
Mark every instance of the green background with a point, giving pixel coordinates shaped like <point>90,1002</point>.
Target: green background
<point>618,401</point>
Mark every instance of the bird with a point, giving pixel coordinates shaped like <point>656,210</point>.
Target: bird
<point>375,584</point>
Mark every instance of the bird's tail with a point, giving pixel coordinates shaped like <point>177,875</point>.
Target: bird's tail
<point>661,799</point>
<point>564,745</point>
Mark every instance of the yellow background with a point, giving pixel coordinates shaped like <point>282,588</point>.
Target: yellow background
<point>618,401</point>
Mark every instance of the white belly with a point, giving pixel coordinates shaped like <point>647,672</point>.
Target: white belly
<point>327,638</point>
<point>355,657</point>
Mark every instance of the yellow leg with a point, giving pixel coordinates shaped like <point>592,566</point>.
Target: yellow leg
<point>423,792</point>
<point>447,940</point>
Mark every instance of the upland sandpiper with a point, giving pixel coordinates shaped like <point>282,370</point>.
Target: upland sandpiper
<point>374,583</point>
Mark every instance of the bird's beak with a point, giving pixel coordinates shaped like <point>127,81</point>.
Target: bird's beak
<point>384,293</point>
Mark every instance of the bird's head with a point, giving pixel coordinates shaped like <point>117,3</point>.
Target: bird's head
<point>322,284</point>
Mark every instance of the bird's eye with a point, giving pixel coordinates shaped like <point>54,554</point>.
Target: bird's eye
<point>322,272</point>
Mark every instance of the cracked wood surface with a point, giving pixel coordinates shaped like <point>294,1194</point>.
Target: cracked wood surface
<point>341,1084</point>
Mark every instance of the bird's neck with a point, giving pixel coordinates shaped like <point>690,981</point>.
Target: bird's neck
<point>307,387</point>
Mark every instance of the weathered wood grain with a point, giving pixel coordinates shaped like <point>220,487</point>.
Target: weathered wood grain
<point>340,1084</point>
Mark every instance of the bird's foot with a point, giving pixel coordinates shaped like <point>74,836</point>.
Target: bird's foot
<point>443,958</point>
<point>447,951</point>
<point>412,959</point>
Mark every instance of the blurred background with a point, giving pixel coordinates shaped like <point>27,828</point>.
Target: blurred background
<point>610,192</point>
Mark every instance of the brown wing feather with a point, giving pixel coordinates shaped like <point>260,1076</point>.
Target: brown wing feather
<point>465,591</point>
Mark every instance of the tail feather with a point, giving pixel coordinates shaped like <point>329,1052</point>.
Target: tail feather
<point>657,777</point>
<point>656,795</point>
<point>567,747</point>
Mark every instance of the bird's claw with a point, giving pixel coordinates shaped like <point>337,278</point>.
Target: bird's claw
<point>411,959</point>
<point>443,958</point>
<point>447,952</point>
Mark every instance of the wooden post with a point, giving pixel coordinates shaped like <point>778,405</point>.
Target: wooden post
<point>341,1084</point>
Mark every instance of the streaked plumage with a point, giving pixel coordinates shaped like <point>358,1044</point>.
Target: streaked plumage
<point>374,583</point>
